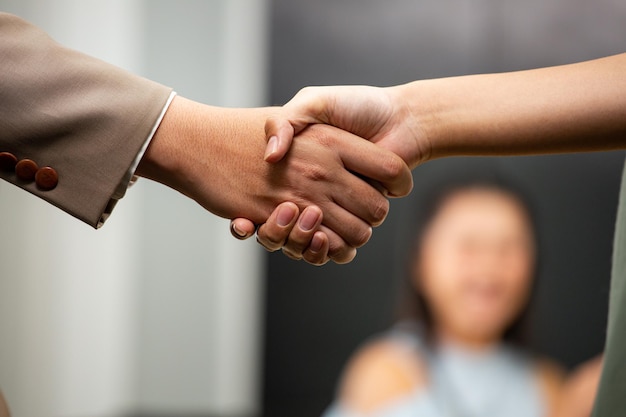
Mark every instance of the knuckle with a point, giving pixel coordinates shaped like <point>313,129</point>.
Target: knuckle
<point>273,244</point>
<point>339,251</point>
<point>316,173</point>
<point>361,237</point>
<point>298,240</point>
<point>379,210</point>
<point>296,244</point>
<point>269,241</point>
<point>265,244</point>
<point>320,134</point>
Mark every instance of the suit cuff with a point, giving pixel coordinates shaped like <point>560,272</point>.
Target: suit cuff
<point>130,177</point>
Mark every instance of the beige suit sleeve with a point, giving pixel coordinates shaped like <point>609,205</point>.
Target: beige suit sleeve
<point>85,118</point>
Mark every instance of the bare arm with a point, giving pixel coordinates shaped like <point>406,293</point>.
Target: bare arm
<point>215,156</point>
<point>571,108</point>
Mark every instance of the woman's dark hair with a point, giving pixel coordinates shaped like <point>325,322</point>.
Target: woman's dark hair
<point>414,306</point>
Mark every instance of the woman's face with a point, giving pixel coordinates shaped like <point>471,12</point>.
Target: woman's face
<point>476,264</point>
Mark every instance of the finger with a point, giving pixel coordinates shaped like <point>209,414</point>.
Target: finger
<point>317,252</point>
<point>381,189</point>
<point>260,242</point>
<point>352,229</point>
<point>357,206</point>
<point>372,161</point>
<point>338,250</point>
<point>350,205</point>
<point>279,133</point>
<point>242,229</point>
<point>310,105</point>
<point>303,232</point>
<point>325,245</point>
<point>273,234</point>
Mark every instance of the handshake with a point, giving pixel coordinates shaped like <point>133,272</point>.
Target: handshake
<point>313,176</point>
<point>315,188</point>
<point>369,149</point>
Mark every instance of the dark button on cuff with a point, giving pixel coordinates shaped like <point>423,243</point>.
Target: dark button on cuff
<point>46,178</point>
<point>7,161</point>
<point>26,169</point>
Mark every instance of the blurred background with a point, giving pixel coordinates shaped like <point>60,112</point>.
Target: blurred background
<point>162,313</point>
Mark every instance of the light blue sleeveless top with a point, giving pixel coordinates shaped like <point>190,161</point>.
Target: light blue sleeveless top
<point>498,383</point>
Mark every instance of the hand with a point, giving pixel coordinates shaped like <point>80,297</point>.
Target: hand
<point>214,156</point>
<point>300,236</point>
<point>373,113</point>
<point>369,112</point>
<point>570,108</point>
<point>286,224</point>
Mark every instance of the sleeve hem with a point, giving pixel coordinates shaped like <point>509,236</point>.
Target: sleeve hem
<point>129,178</point>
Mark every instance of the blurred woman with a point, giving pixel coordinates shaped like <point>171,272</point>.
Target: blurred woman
<point>472,275</point>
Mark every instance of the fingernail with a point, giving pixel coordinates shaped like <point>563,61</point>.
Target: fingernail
<point>285,215</point>
<point>316,243</point>
<point>308,220</point>
<point>272,146</point>
<point>237,231</point>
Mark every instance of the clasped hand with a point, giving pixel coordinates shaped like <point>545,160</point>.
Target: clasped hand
<point>369,113</point>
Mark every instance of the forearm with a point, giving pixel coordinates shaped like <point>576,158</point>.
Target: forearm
<point>197,148</point>
<point>572,108</point>
<point>215,156</point>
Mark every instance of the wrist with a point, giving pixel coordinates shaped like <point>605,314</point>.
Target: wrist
<point>212,155</point>
<point>414,111</point>
<point>162,160</point>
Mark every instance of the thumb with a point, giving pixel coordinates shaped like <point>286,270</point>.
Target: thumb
<point>279,133</point>
<point>241,228</point>
<point>307,107</point>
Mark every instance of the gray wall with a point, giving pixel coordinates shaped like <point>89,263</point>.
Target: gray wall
<point>333,309</point>
<point>157,313</point>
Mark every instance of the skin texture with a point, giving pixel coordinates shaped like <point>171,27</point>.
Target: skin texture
<point>215,156</point>
<point>571,108</point>
<point>474,269</point>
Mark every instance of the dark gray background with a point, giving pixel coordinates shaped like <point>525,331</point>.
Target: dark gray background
<point>316,317</point>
